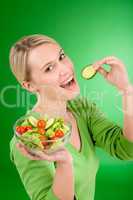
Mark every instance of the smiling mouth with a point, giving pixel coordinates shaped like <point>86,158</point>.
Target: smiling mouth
<point>68,84</point>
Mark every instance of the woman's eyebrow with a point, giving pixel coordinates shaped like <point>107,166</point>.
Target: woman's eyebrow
<point>60,51</point>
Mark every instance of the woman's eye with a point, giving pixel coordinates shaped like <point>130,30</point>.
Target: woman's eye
<point>49,68</point>
<point>62,56</point>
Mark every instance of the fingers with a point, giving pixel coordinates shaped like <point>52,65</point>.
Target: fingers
<point>110,60</point>
<point>59,155</point>
<point>113,61</point>
<point>56,156</point>
<point>44,156</point>
<point>25,152</point>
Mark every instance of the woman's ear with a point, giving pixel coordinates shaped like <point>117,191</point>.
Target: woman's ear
<point>28,86</point>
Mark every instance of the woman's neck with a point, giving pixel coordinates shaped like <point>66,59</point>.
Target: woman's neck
<point>53,108</point>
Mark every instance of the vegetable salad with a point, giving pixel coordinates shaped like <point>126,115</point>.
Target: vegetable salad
<point>41,132</point>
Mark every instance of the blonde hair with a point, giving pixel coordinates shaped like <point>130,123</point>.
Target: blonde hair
<point>19,54</point>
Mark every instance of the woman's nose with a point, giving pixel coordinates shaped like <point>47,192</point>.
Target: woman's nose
<point>65,73</point>
<point>64,76</point>
<point>64,69</point>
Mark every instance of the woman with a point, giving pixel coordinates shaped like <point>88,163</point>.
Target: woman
<point>41,66</point>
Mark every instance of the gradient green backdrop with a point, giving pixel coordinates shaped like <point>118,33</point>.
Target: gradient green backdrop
<point>87,30</point>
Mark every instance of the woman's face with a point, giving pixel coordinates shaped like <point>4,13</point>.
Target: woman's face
<point>50,66</point>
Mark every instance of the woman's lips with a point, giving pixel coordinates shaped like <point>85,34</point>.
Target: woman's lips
<point>67,80</point>
<point>70,86</point>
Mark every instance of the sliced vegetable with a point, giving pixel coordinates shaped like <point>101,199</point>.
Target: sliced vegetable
<point>59,133</point>
<point>18,129</point>
<point>41,131</point>
<point>25,123</point>
<point>49,123</point>
<point>21,129</point>
<point>65,128</point>
<point>41,123</point>
<point>49,133</point>
<point>33,121</point>
<point>88,72</point>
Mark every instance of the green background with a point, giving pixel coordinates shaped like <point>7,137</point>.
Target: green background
<point>88,31</point>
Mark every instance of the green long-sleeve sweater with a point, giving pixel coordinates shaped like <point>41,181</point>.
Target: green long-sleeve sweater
<point>95,130</point>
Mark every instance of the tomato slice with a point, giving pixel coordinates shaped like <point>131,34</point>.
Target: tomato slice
<point>18,129</point>
<point>41,123</point>
<point>21,129</point>
<point>59,133</point>
<point>41,131</point>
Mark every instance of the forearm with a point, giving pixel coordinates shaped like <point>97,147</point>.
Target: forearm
<point>127,101</point>
<point>63,185</point>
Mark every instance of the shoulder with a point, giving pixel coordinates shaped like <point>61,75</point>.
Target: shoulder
<point>81,105</point>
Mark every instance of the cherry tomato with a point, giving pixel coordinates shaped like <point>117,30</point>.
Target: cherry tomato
<point>23,129</point>
<point>41,123</point>
<point>59,133</point>
<point>20,129</point>
<point>41,131</point>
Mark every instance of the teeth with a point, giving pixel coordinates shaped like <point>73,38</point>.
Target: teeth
<point>68,80</point>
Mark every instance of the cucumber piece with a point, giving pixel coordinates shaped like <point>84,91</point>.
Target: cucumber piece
<point>25,123</point>
<point>31,138</point>
<point>49,133</point>
<point>60,120</point>
<point>88,72</point>
<point>33,120</point>
<point>65,129</point>
<point>49,123</point>
<point>56,125</point>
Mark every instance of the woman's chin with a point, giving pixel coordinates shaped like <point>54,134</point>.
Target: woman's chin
<point>71,93</point>
<point>72,96</point>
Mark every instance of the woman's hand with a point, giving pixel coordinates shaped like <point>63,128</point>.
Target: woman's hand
<point>117,75</point>
<point>61,156</point>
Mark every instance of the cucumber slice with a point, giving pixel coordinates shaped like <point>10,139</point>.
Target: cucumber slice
<point>49,133</point>
<point>65,128</point>
<point>56,125</point>
<point>88,72</point>
<point>33,120</point>
<point>25,123</point>
<point>49,123</point>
